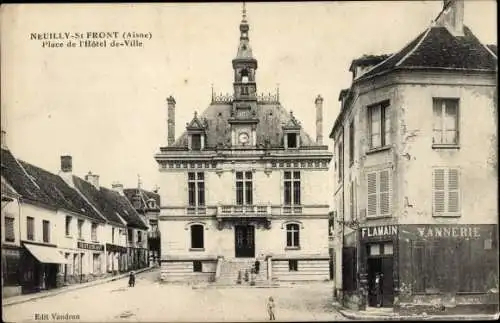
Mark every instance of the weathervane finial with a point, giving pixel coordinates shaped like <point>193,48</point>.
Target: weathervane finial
<point>244,11</point>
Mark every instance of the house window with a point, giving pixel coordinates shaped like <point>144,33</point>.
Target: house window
<point>112,235</point>
<point>293,265</point>
<point>93,232</point>
<point>352,201</point>
<point>244,188</point>
<point>351,143</point>
<point>68,225</point>
<point>46,231</point>
<point>340,156</point>
<point>197,236</point>
<point>130,236</point>
<point>197,266</point>
<point>292,235</point>
<point>196,187</point>
<point>379,125</point>
<point>9,229</point>
<point>139,236</point>
<point>292,141</point>
<point>196,141</point>
<point>445,112</point>
<point>446,191</point>
<point>379,193</point>
<point>292,188</point>
<point>80,229</point>
<point>30,228</point>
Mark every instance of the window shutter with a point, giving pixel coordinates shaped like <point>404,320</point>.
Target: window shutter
<point>372,194</point>
<point>453,191</point>
<point>438,188</point>
<point>384,192</point>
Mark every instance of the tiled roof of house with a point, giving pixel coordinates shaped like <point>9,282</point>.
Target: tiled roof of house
<point>146,195</point>
<point>107,207</point>
<point>20,181</point>
<point>437,48</point>
<point>272,117</point>
<point>122,205</point>
<point>61,193</point>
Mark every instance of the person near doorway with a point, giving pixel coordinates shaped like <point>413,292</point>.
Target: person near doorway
<point>131,279</point>
<point>378,289</point>
<point>270,308</point>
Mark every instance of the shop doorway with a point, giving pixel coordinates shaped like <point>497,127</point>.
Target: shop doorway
<point>380,263</point>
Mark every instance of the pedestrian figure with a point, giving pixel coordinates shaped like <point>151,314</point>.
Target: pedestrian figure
<point>131,279</point>
<point>378,289</point>
<point>257,266</point>
<point>270,308</point>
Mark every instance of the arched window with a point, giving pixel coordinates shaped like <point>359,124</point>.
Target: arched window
<point>197,236</point>
<point>292,235</point>
<point>244,76</point>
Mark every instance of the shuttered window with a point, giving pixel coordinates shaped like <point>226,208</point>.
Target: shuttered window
<point>446,191</point>
<point>379,190</point>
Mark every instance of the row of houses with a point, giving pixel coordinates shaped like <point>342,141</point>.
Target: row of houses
<point>416,174</point>
<point>61,229</point>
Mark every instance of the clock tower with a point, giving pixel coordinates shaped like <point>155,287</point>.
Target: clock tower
<point>243,113</point>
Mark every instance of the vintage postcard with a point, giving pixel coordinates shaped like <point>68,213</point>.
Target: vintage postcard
<point>259,161</point>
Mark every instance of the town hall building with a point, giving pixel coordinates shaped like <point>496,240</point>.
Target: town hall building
<point>246,183</point>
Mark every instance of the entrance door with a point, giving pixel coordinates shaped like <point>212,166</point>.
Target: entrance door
<point>382,265</point>
<point>244,241</point>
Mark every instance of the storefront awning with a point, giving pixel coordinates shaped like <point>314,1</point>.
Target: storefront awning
<point>46,255</point>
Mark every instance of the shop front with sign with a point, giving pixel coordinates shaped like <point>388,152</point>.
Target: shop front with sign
<point>378,266</point>
<point>451,265</point>
<point>116,258</point>
<point>92,260</point>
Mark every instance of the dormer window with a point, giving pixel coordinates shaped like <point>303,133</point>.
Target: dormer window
<point>196,141</point>
<point>292,140</point>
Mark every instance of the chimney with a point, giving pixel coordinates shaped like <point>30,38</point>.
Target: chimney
<point>92,179</point>
<point>171,120</point>
<point>117,187</point>
<point>452,17</point>
<point>66,164</point>
<point>4,140</point>
<point>319,119</point>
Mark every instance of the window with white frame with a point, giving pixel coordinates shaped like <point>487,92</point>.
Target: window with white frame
<point>445,120</point>
<point>30,228</point>
<point>46,231</point>
<point>196,188</point>
<point>379,122</point>
<point>379,188</point>
<point>244,188</point>
<point>94,232</point>
<point>80,229</point>
<point>292,235</point>
<point>446,191</point>
<point>292,188</point>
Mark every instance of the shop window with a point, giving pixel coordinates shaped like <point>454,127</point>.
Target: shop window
<point>293,265</point>
<point>197,266</point>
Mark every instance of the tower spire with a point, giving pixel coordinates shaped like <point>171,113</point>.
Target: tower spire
<point>244,12</point>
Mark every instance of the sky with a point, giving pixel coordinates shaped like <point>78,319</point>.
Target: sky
<point>107,106</point>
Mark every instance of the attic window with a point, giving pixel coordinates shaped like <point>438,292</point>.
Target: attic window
<point>291,140</point>
<point>196,142</point>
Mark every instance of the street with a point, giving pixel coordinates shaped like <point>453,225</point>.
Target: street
<point>151,301</point>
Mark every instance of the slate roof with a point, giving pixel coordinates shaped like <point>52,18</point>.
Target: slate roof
<point>437,48</point>
<point>146,195</point>
<point>272,117</point>
<point>7,191</point>
<point>21,182</point>
<point>123,206</point>
<point>60,192</point>
<point>367,60</point>
<point>493,48</point>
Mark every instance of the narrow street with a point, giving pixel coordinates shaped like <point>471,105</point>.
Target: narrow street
<point>151,301</point>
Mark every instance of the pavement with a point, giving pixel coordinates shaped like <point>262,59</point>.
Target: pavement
<point>52,292</point>
<point>152,301</point>
<point>384,314</point>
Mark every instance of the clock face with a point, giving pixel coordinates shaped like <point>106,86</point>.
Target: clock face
<point>243,138</point>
